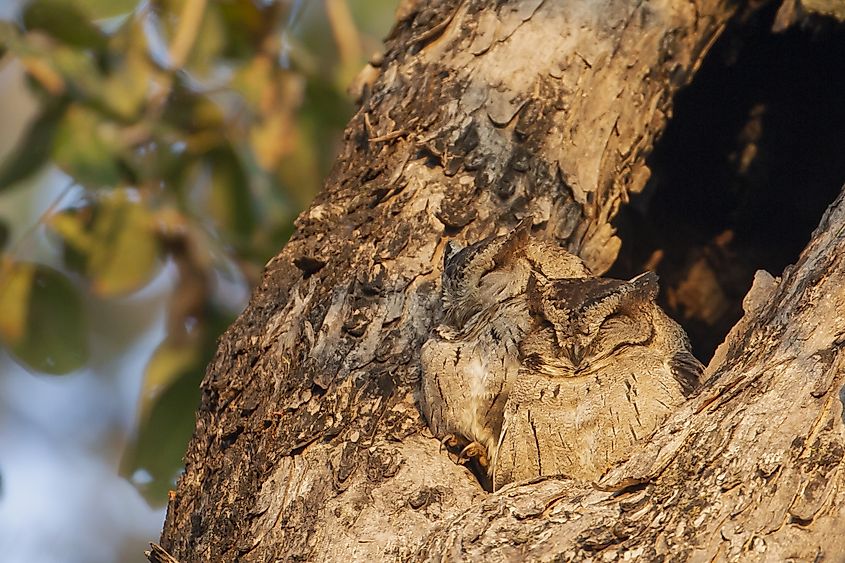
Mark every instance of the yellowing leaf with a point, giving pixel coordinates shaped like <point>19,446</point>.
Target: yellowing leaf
<point>104,8</point>
<point>125,251</point>
<point>209,42</point>
<point>251,79</point>
<point>125,89</point>
<point>113,241</point>
<point>45,74</point>
<point>72,230</point>
<point>15,285</point>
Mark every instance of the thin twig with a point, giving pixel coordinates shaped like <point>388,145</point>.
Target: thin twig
<point>190,21</point>
<point>15,249</point>
<point>388,136</point>
<point>345,33</point>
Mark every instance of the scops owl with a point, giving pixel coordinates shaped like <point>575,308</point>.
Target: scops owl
<point>600,369</point>
<point>470,363</point>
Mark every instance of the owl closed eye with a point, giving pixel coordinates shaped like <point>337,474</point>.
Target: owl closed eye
<point>621,330</point>
<point>588,319</point>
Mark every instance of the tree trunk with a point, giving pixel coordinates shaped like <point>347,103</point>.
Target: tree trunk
<point>309,442</point>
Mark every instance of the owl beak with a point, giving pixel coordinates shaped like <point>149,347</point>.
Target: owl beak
<point>576,354</point>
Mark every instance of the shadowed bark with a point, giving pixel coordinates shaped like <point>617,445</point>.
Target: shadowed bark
<point>309,443</point>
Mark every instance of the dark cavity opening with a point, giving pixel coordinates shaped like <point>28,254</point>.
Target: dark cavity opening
<point>752,157</point>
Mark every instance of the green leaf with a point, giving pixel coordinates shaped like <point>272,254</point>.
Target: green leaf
<point>164,433</point>
<point>171,395</point>
<point>247,25</point>
<point>43,321</point>
<point>4,234</point>
<point>86,147</point>
<point>231,200</point>
<point>170,361</point>
<point>99,9</point>
<point>65,22</point>
<point>33,150</point>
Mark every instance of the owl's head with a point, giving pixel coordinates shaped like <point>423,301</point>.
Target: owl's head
<point>588,319</point>
<point>483,274</point>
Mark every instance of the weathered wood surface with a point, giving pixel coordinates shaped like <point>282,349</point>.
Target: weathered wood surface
<point>309,444</point>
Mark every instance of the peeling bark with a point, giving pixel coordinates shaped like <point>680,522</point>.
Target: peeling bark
<point>309,443</point>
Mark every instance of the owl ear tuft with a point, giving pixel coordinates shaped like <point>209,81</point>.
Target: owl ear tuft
<point>628,295</point>
<point>611,296</point>
<point>452,248</point>
<point>514,242</point>
<point>645,286</point>
<point>523,228</point>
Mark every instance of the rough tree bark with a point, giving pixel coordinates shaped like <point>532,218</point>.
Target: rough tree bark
<point>309,443</point>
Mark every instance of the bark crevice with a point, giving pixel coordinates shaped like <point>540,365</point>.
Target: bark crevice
<point>761,118</point>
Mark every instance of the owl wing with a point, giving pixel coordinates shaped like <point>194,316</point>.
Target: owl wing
<point>441,386</point>
<point>539,423</point>
<point>464,390</point>
<point>518,452</point>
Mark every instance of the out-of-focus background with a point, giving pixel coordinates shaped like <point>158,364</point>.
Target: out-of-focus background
<point>153,156</point>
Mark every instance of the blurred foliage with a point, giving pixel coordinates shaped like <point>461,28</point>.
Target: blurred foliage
<point>198,130</point>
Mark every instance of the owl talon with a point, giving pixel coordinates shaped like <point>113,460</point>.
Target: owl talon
<point>448,441</point>
<point>474,451</point>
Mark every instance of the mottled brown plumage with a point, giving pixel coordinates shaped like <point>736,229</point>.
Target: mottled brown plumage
<point>603,367</point>
<point>540,369</point>
<point>471,361</point>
